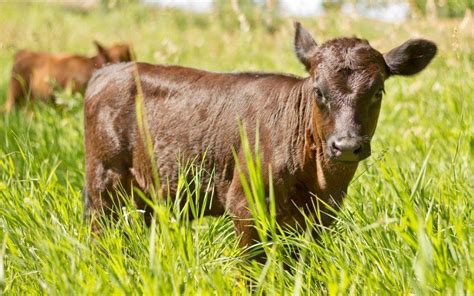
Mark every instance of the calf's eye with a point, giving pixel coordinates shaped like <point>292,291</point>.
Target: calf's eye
<point>318,92</point>
<point>379,94</point>
<point>320,99</point>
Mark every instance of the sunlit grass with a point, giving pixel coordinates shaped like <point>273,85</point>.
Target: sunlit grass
<point>406,227</point>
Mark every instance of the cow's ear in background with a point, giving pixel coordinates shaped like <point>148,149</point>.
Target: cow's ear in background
<point>411,57</point>
<point>305,46</point>
<point>102,51</point>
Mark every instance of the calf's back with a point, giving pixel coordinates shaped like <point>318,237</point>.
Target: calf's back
<point>190,113</point>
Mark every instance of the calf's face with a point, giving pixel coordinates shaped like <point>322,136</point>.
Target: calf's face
<point>347,77</point>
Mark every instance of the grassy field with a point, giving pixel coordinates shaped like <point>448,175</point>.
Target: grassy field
<point>407,225</point>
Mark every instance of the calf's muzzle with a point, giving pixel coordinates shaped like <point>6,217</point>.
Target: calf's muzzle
<point>348,148</point>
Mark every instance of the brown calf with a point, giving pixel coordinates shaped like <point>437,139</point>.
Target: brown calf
<point>36,74</point>
<point>313,130</point>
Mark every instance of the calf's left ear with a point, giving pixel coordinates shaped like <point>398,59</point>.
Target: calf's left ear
<point>305,46</point>
<point>411,57</point>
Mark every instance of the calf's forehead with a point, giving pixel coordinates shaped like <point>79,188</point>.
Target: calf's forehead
<point>353,83</point>
<point>349,65</point>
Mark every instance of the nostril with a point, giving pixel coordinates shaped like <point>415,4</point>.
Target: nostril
<point>334,146</point>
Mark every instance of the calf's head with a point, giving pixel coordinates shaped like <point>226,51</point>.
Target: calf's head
<point>347,77</point>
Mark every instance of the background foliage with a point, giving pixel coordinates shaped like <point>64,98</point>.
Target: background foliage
<point>406,226</point>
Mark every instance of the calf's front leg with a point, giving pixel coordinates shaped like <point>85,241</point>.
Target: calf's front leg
<point>244,224</point>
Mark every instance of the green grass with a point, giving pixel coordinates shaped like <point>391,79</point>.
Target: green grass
<point>407,225</point>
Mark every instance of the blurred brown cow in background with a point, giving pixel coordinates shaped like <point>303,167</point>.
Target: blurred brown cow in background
<point>35,75</point>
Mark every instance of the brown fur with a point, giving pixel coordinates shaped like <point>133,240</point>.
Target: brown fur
<point>191,112</point>
<point>36,74</point>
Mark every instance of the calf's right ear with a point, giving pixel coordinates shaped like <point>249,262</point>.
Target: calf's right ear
<point>411,57</point>
<point>305,46</point>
